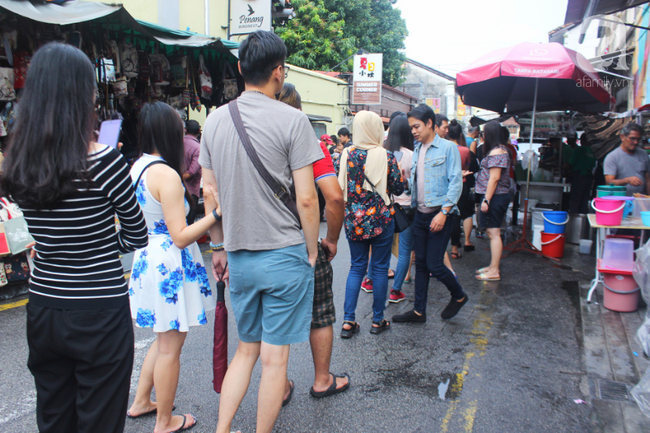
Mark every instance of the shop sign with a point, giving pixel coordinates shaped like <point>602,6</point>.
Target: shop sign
<point>248,16</point>
<point>460,111</point>
<point>434,103</point>
<point>366,81</point>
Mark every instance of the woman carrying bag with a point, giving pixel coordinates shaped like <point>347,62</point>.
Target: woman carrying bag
<point>368,176</point>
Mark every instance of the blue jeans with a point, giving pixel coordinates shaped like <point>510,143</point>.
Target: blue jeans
<point>403,258</point>
<point>379,262</point>
<point>430,250</point>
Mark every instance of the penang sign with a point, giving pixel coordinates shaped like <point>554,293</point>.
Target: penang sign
<point>248,16</point>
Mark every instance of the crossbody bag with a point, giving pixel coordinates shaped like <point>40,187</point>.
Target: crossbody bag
<point>278,190</point>
<point>400,217</point>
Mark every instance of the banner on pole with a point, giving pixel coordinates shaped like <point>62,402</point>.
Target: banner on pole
<point>366,81</point>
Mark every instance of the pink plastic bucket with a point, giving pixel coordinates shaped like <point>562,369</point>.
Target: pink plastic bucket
<point>609,212</point>
<point>621,293</point>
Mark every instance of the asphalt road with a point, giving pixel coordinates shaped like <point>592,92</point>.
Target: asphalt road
<point>509,362</point>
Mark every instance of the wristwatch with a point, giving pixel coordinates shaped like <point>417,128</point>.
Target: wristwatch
<point>215,215</point>
<point>486,201</point>
<point>445,212</point>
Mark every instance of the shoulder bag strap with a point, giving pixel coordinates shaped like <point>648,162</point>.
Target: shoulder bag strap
<point>135,185</point>
<point>278,190</point>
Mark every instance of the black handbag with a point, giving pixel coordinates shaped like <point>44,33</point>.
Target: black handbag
<point>400,216</point>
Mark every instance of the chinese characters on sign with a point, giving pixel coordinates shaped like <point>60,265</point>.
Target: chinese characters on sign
<point>366,82</point>
<point>248,16</point>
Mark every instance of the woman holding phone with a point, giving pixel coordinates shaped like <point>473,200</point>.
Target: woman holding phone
<point>79,329</point>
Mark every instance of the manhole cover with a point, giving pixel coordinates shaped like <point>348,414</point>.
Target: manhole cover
<point>611,390</point>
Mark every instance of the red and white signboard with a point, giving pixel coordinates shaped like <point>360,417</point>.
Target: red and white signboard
<point>366,81</point>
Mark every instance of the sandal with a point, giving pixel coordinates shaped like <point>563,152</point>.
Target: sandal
<point>332,389</point>
<point>183,428</point>
<point>390,276</point>
<point>383,325</point>
<point>348,333</point>
<point>287,400</point>
<point>456,255</point>
<point>484,277</point>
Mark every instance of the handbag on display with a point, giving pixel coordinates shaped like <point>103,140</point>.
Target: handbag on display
<point>16,268</point>
<point>230,86</point>
<point>15,227</point>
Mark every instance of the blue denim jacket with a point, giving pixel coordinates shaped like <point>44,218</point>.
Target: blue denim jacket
<point>443,176</point>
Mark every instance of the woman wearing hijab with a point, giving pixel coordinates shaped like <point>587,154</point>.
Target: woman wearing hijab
<point>368,175</point>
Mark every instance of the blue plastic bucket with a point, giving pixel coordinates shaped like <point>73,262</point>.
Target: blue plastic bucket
<point>555,221</point>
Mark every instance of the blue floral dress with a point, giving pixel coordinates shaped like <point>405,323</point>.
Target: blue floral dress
<point>169,287</point>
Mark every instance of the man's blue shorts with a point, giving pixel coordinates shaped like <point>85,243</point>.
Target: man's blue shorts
<point>271,293</point>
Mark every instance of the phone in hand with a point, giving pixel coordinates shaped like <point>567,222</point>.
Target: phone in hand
<point>109,132</point>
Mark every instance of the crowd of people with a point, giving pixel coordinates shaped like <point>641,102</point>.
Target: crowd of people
<point>262,179</point>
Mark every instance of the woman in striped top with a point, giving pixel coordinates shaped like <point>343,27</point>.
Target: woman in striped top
<point>70,188</point>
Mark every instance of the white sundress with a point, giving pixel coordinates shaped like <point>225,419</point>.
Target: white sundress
<point>169,287</point>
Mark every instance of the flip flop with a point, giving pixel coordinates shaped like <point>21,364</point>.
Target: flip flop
<point>483,277</point>
<point>151,412</point>
<point>287,400</point>
<point>332,389</point>
<point>183,428</point>
<point>391,276</point>
<point>481,271</point>
<point>455,255</point>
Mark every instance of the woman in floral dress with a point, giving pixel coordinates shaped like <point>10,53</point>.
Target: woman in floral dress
<point>368,176</point>
<point>169,288</point>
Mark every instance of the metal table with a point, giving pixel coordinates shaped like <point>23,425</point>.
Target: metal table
<point>601,235</point>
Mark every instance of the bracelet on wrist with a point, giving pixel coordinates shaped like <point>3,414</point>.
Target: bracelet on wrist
<point>216,216</point>
<point>217,247</point>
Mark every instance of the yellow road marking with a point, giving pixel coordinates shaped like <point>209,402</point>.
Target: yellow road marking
<point>479,341</point>
<point>13,305</point>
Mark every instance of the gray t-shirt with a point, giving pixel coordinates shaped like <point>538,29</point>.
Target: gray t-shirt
<point>253,218</point>
<point>621,164</point>
<point>419,179</point>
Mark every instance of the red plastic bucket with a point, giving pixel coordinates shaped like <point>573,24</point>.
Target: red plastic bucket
<point>621,293</point>
<point>553,244</point>
<point>609,212</point>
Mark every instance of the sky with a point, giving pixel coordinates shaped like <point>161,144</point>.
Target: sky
<point>448,35</point>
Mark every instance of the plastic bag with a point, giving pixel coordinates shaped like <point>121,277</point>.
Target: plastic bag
<point>641,272</point>
<point>641,393</point>
<point>530,157</point>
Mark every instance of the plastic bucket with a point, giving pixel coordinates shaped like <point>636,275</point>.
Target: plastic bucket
<point>585,246</point>
<point>640,205</point>
<point>608,212</point>
<point>555,221</point>
<point>537,236</point>
<point>620,293</point>
<point>605,190</point>
<point>645,218</point>
<point>553,244</point>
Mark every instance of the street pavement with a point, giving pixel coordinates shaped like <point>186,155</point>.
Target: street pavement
<point>509,362</point>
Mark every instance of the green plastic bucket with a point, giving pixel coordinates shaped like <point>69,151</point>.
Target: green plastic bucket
<point>604,190</point>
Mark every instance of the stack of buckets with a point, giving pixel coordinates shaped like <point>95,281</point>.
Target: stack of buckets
<point>554,234</point>
<point>621,292</point>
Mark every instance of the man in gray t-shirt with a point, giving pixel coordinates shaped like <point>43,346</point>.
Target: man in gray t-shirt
<point>628,165</point>
<point>270,263</point>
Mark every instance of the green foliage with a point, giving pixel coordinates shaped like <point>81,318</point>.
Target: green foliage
<point>326,32</point>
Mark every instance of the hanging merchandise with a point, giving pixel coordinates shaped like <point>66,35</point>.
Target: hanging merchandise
<point>178,71</point>
<point>129,60</point>
<point>16,268</point>
<point>120,87</point>
<point>205,79</point>
<point>144,66</point>
<point>7,92</point>
<point>106,70</point>
<point>21,64</point>
<point>114,53</point>
<point>229,86</point>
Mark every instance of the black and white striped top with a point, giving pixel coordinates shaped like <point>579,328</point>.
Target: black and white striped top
<point>77,264</point>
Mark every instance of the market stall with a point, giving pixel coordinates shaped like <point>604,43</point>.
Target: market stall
<point>136,61</point>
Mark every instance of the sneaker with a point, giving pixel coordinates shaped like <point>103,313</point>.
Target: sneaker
<point>366,286</point>
<point>396,296</point>
<point>409,316</point>
<point>453,308</point>
<point>479,234</point>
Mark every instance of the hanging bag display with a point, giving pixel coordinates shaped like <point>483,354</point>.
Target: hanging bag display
<point>230,87</point>
<point>7,91</point>
<point>16,268</point>
<point>205,80</point>
<point>4,245</point>
<point>15,227</point>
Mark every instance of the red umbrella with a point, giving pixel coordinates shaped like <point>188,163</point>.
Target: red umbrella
<point>513,78</point>
<point>220,350</point>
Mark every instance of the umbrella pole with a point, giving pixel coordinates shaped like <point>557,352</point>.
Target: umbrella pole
<point>523,244</point>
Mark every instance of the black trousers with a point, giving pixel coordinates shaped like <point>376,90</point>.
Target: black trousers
<point>81,361</point>
<point>191,216</point>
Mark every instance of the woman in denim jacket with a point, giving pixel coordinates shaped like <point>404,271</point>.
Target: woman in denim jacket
<point>436,185</point>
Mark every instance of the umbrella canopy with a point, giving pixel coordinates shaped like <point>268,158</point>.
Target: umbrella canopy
<point>505,80</point>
